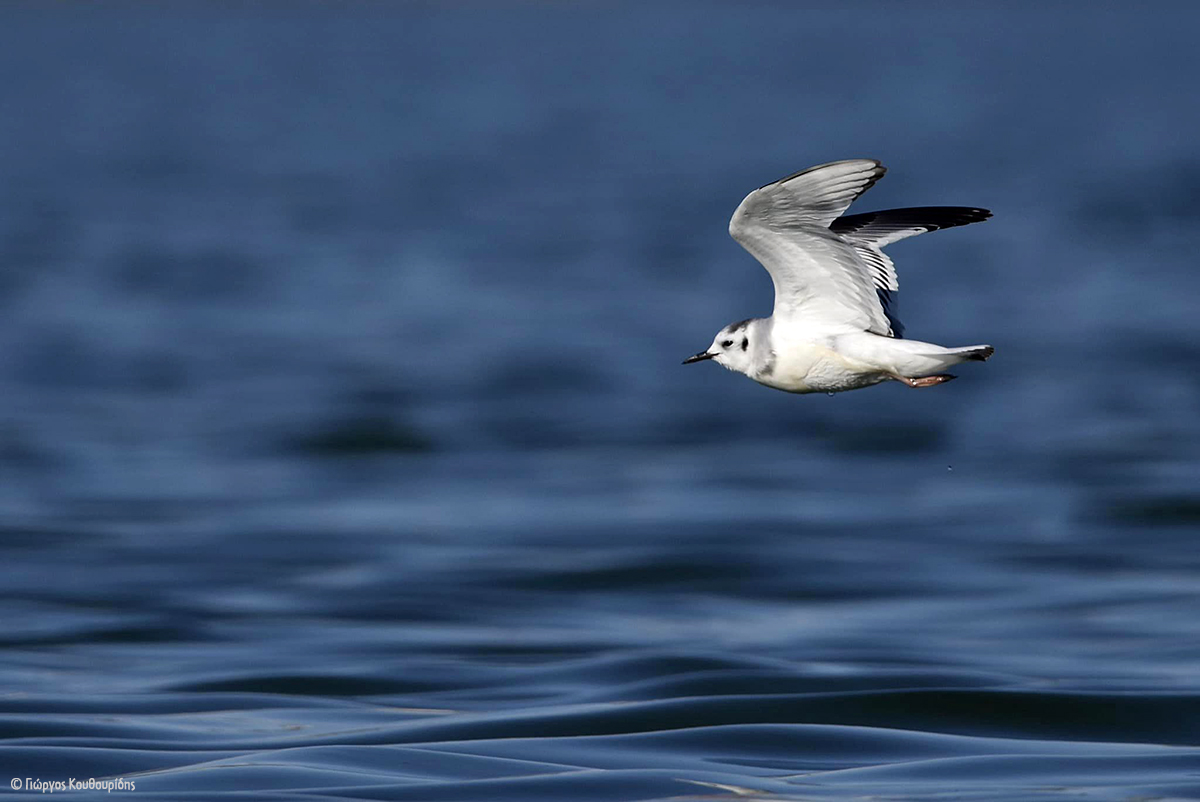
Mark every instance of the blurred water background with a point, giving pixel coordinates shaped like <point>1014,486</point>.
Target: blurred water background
<point>346,452</point>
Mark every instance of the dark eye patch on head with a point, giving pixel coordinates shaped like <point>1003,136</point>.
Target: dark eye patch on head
<point>745,343</point>
<point>726,343</point>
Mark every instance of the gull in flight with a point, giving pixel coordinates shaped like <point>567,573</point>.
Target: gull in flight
<point>832,328</point>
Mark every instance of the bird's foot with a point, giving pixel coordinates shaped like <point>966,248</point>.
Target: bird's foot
<point>925,381</point>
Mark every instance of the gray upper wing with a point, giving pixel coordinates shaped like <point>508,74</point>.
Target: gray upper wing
<point>818,275</point>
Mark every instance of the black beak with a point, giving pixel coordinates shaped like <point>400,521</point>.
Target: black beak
<point>698,357</point>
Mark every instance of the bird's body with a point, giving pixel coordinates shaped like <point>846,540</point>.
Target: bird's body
<point>832,328</point>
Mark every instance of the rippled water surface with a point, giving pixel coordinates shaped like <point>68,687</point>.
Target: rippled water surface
<point>345,452</point>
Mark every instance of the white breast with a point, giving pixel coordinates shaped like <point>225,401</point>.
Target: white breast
<point>816,368</point>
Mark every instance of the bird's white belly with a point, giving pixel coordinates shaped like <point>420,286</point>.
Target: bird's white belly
<point>817,368</point>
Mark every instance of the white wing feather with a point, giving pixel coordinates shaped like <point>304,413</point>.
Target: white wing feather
<point>818,276</point>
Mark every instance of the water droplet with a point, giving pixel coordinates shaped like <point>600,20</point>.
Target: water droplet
<point>829,394</point>
<point>949,467</point>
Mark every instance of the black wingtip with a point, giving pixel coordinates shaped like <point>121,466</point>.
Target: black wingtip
<point>930,218</point>
<point>952,216</point>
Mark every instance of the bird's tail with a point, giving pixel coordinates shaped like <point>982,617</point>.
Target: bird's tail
<point>976,353</point>
<point>913,358</point>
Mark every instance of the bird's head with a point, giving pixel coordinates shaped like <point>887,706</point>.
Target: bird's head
<point>731,348</point>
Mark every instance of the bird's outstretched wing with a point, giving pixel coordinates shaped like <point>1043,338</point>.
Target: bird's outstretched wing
<point>870,232</point>
<point>819,277</point>
<point>880,229</point>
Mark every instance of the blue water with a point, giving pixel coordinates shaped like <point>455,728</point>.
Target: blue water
<point>345,452</point>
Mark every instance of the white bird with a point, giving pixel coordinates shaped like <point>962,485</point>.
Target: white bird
<point>832,328</point>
